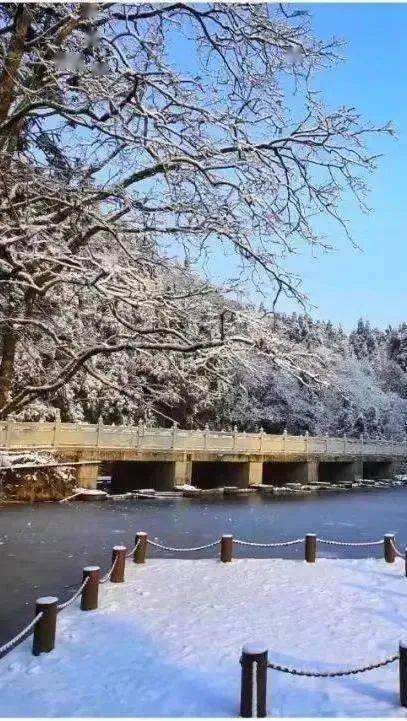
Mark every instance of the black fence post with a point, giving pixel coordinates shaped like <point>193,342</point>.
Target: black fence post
<point>254,658</point>
<point>44,629</point>
<point>119,558</point>
<point>90,593</point>
<point>226,548</point>
<point>139,555</point>
<point>403,673</point>
<point>389,552</point>
<point>310,547</point>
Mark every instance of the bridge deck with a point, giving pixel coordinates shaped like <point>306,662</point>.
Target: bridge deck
<point>164,457</point>
<point>171,442</point>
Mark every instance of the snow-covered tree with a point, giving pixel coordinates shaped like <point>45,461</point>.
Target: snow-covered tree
<point>365,340</point>
<point>136,143</point>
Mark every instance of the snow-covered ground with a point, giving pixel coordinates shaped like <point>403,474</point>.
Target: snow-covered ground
<point>168,641</point>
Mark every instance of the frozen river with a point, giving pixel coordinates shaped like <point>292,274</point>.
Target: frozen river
<point>45,546</point>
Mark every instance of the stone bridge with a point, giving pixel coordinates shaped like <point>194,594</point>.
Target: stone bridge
<point>160,458</point>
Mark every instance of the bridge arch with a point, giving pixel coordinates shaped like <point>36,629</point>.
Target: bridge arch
<point>134,475</point>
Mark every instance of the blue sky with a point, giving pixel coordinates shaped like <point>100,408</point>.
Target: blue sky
<point>348,284</point>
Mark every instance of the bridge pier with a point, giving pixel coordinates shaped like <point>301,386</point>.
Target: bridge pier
<point>254,470</point>
<point>87,475</point>
<point>182,473</point>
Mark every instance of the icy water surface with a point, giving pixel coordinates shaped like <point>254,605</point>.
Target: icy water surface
<point>43,547</point>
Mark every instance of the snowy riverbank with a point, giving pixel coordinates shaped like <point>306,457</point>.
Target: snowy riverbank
<point>167,642</point>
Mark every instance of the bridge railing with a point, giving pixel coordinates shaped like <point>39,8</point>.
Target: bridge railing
<point>19,435</point>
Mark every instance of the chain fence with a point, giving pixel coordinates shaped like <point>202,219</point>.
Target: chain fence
<point>350,543</point>
<point>133,550</point>
<point>276,544</point>
<point>73,598</point>
<point>20,637</point>
<point>181,550</point>
<point>107,576</point>
<point>332,674</point>
<point>396,550</point>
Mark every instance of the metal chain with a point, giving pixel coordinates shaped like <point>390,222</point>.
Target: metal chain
<point>268,545</point>
<point>332,674</point>
<point>396,550</point>
<point>20,636</point>
<point>349,543</point>
<point>276,544</point>
<point>110,571</point>
<point>130,553</point>
<point>73,598</point>
<point>180,550</point>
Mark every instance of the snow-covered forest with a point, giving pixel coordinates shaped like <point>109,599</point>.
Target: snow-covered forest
<point>364,389</point>
<point>361,386</point>
<point>146,150</point>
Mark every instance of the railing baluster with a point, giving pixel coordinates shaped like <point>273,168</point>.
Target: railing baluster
<point>9,431</point>
<point>173,436</point>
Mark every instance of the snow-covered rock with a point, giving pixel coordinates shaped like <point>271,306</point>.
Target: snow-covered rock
<point>29,476</point>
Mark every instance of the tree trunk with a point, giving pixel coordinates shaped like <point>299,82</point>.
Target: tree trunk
<point>15,306</point>
<point>9,344</point>
<point>8,79</point>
